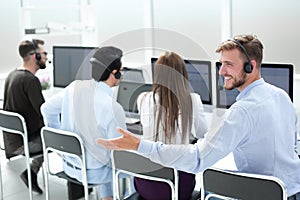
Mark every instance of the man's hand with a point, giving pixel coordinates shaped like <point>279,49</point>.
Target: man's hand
<point>126,142</point>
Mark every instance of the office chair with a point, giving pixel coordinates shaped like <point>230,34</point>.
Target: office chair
<point>226,185</point>
<point>130,163</point>
<point>64,143</point>
<point>14,123</point>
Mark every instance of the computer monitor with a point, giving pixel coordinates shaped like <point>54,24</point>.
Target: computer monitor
<point>127,95</point>
<point>199,75</point>
<point>66,63</point>
<point>280,75</point>
<point>132,75</point>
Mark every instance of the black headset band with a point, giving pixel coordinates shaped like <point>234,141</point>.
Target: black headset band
<point>242,47</point>
<point>247,65</point>
<point>37,54</point>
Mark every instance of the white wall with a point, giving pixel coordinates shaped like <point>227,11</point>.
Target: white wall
<point>276,23</point>
<point>191,28</point>
<point>10,34</point>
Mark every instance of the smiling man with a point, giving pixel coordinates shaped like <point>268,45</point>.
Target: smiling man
<point>259,128</point>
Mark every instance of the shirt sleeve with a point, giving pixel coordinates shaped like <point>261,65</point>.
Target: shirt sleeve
<point>51,110</point>
<point>217,143</point>
<point>201,124</point>
<point>145,107</point>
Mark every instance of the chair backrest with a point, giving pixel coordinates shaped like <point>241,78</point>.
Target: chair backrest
<point>12,122</point>
<point>241,185</point>
<point>138,166</point>
<point>63,142</point>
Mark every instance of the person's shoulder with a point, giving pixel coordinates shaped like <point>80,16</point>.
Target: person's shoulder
<point>14,73</point>
<point>193,94</point>
<point>144,95</point>
<point>195,97</point>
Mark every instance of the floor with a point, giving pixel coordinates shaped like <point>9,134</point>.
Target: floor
<point>15,189</point>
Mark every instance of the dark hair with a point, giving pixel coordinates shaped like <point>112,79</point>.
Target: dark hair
<point>252,45</point>
<point>104,61</point>
<point>28,47</point>
<point>115,65</point>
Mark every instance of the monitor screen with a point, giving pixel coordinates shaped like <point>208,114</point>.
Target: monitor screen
<point>132,75</point>
<point>66,63</point>
<point>199,74</point>
<point>280,75</point>
<point>128,93</point>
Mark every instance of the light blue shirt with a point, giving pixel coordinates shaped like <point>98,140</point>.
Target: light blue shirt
<point>259,129</point>
<point>58,113</point>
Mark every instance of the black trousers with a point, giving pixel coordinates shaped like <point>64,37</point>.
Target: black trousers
<point>76,191</point>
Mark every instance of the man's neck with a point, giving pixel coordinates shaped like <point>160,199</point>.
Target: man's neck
<point>29,67</point>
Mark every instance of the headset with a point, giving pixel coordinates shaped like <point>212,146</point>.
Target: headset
<point>247,65</point>
<point>38,55</point>
<point>93,60</point>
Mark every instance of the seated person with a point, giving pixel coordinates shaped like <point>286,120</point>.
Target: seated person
<point>173,115</point>
<point>23,95</point>
<point>87,107</point>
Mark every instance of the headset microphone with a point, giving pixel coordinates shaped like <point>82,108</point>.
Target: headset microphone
<point>247,65</point>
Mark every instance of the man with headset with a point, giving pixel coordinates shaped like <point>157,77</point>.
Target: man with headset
<point>87,108</point>
<point>23,94</point>
<point>259,129</point>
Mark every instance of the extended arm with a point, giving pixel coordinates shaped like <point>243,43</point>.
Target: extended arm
<point>216,144</point>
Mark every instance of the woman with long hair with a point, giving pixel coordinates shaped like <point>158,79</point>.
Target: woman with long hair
<point>172,114</point>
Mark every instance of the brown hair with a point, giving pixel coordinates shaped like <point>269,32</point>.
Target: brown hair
<point>28,47</point>
<point>172,88</point>
<point>252,45</point>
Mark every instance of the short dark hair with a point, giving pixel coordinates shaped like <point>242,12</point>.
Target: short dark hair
<point>28,47</point>
<point>104,61</point>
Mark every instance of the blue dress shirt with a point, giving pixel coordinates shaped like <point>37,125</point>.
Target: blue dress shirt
<point>259,129</point>
<point>58,112</point>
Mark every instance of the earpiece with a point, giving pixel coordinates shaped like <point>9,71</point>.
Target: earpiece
<point>118,75</point>
<point>247,65</point>
<point>38,56</point>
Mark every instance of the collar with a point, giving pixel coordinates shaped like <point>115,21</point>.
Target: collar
<point>105,87</point>
<point>249,87</point>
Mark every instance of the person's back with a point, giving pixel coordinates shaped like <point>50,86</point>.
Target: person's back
<point>172,115</point>
<point>146,106</point>
<point>91,118</point>
<point>22,88</point>
<point>272,135</point>
<point>87,108</point>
